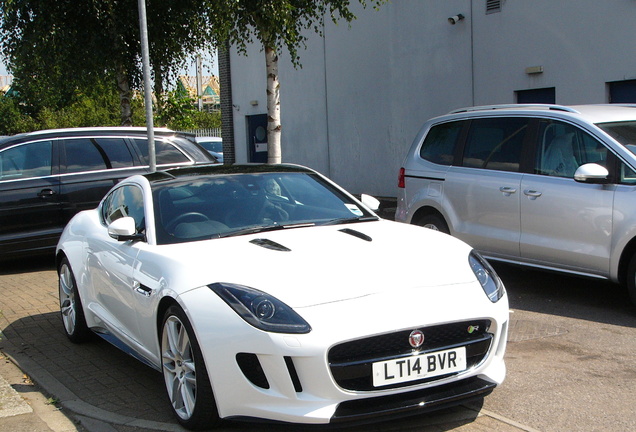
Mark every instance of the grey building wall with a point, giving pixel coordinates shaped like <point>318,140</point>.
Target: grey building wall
<point>363,91</point>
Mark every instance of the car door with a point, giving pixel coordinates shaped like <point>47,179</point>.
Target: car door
<point>111,264</point>
<point>483,192</point>
<point>564,223</point>
<point>30,216</point>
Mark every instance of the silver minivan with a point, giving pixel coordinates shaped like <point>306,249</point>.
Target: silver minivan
<point>547,186</point>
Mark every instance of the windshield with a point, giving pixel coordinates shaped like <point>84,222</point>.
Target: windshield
<point>624,132</point>
<point>215,206</point>
<point>213,146</point>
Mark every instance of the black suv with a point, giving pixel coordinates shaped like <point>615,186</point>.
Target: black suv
<point>48,176</point>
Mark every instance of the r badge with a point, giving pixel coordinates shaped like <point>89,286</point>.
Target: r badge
<point>416,338</point>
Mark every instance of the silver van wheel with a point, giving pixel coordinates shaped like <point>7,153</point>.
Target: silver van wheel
<point>434,222</point>
<point>631,280</point>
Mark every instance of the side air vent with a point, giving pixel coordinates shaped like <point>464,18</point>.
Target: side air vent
<point>269,244</point>
<point>356,234</point>
<point>493,6</point>
<point>252,369</point>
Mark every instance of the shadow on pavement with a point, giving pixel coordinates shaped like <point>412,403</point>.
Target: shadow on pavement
<point>567,296</point>
<point>27,265</point>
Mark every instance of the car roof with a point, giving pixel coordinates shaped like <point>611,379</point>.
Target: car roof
<point>593,113</point>
<point>214,170</point>
<point>69,132</point>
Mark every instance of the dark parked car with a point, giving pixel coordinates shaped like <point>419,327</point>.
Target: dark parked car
<point>47,176</point>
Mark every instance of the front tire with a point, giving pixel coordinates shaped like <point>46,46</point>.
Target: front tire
<point>186,378</point>
<point>631,280</point>
<point>71,306</point>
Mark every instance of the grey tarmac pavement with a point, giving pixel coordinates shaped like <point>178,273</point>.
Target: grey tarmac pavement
<point>570,360</point>
<point>51,384</point>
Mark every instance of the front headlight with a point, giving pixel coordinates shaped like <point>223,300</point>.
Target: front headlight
<point>490,282</point>
<point>261,310</point>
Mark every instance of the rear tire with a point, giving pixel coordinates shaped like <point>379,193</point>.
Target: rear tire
<point>631,280</point>
<point>186,378</point>
<point>434,222</point>
<point>71,306</point>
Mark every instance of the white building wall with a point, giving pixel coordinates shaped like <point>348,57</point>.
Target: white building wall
<point>581,44</point>
<point>353,109</point>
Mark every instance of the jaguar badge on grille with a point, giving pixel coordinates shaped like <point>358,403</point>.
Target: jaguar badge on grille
<point>416,338</point>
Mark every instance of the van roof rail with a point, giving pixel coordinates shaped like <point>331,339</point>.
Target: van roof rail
<point>518,106</point>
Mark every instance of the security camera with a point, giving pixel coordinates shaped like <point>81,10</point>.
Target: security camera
<point>455,19</point>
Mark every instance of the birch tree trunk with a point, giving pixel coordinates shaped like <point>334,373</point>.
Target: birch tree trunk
<point>273,108</point>
<point>124,96</point>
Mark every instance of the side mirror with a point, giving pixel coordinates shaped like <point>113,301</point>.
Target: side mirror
<point>123,229</point>
<point>591,173</point>
<point>371,202</point>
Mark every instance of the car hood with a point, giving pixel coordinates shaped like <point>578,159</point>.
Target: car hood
<point>324,264</point>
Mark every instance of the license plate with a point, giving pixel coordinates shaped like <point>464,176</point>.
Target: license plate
<point>419,366</point>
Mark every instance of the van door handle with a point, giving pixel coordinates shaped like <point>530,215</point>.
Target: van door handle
<point>507,191</point>
<point>44,193</point>
<point>532,193</point>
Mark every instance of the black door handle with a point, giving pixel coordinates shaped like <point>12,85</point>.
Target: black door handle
<point>45,193</point>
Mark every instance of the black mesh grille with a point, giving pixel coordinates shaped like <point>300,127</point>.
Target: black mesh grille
<point>351,362</point>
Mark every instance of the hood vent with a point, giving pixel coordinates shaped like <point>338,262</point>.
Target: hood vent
<point>356,234</point>
<point>269,244</point>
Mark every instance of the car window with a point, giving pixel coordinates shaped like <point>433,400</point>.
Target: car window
<point>439,144</point>
<point>213,146</point>
<point>623,132</point>
<point>564,147</point>
<point>166,153</point>
<point>93,154</point>
<point>26,161</point>
<point>495,143</point>
<point>628,175</point>
<point>125,201</point>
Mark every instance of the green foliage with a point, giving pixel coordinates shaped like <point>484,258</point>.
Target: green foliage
<point>13,120</point>
<point>59,48</point>
<point>102,109</point>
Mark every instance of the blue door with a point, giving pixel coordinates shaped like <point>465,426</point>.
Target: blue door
<point>257,137</point>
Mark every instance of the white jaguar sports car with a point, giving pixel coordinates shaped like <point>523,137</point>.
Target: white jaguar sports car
<point>267,291</point>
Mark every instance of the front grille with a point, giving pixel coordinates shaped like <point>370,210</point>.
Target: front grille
<point>351,362</point>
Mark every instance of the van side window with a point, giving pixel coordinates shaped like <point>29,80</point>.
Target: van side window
<point>563,148</point>
<point>495,143</point>
<point>26,161</point>
<point>440,142</point>
<point>628,176</point>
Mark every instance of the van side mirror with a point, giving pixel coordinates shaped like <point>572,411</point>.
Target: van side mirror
<point>123,229</point>
<point>592,173</point>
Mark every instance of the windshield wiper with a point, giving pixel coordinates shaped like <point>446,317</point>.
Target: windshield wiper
<point>259,229</point>
<point>340,221</point>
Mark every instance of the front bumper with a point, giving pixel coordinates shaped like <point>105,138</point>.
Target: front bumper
<point>289,378</point>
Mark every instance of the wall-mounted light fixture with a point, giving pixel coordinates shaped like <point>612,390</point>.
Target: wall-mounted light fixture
<point>254,103</point>
<point>533,70</point>
<point>455,19</point>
